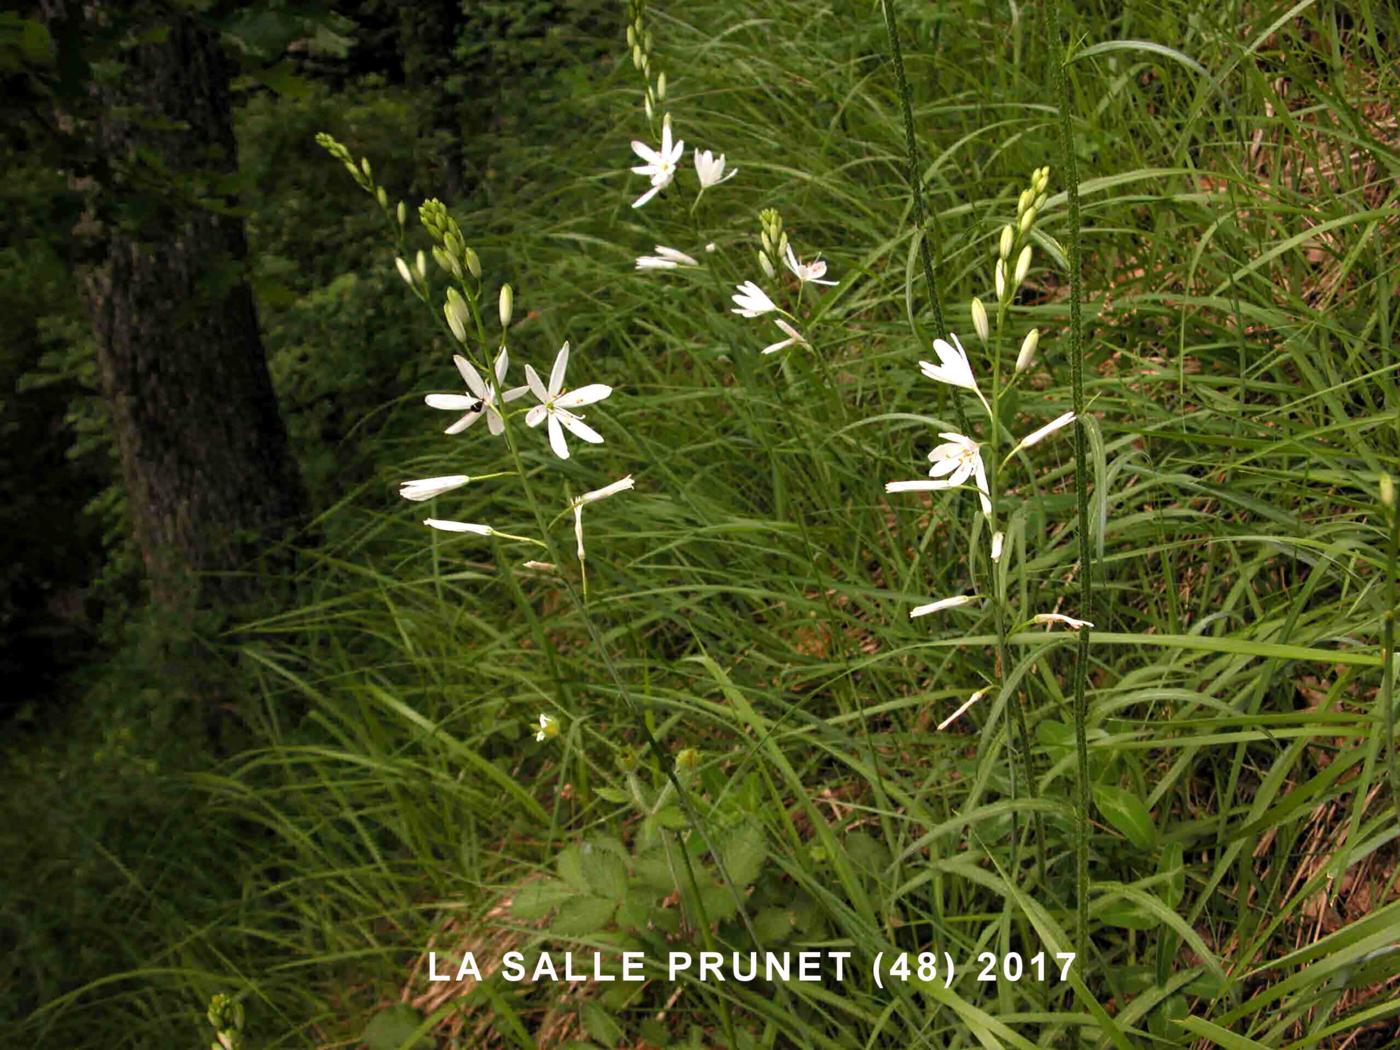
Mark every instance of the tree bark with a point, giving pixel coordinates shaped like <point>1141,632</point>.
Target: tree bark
<point>209,475</point>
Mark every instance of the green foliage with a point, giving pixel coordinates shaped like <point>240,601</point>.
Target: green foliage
<point>753,596</point>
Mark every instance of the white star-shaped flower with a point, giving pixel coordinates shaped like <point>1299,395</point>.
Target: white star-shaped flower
<point>459,526</point>
<point>621,485</point>
<point>793,337</point>
<point>1060,618</point>
<point>427,488</point>
<point>807,273</point>
<point>665,259</point>
<point>556,405</point>
<point>752,301</point>
<point>660,164</point>
<point>953,462</point>
<point>1036,437</point>
<point>966,704</point>
<point>548,727</point>
<point>481,397</point>
<point>953,367</point>
<point>710,170</point>
<point>941,604</point>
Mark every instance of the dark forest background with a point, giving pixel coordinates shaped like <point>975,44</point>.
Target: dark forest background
<point>111,694</point>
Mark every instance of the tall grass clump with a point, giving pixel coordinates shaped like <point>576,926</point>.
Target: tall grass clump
<point>1175,419</point>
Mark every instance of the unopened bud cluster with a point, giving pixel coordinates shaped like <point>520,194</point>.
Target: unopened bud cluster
<point>363,174</point>
<point>639,43</point>
<point>1015,237</point>
<point>1014,243</point>
<point>450,249</point>
<point>775,241</point>
<point>226,1017</point>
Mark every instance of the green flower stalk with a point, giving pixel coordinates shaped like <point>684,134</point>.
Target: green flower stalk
<point>962,461</point>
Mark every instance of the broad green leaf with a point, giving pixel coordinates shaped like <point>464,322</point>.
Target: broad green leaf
<point>583,915</point>
<point>1127,814</point>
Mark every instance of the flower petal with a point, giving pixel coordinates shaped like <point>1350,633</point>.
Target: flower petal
<point>462,424</point>
<point>556,437</point>
<point>556,374</point>
<point>982,492</point>
<point>579,428</point>
<point>453,402</point>
<point>584,395</point>
<point>470,375</point>
<point>532,378</point>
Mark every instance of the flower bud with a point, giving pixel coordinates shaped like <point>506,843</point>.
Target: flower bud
<point>1023,265</point>
<point>473,262</point>
<point>381,197</point>
<point>421,265</point>
<point>1008,236</point>
<point>661,87</point>
<point>507,304</point>
<point>1028,218</point>
<point>1040,202</point>
<point>364,166</point>
<point>979,320</point>
<point>765,264</point>
<point>1387,491</point>
<point>636,56</point>
<point>456,313</point>
<point>404,271</point>
<point>401,213</point>
<point>1001,279</point>
<point>1023,202</point>
<point>646,105</point>
<point>631,36</point>
<point>1026,357</point>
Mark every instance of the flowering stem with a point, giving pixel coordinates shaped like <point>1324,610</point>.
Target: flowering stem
<point>518,539</point>
<point>1076,363</point>
<point>1018,701</point>
<point>595,636</point>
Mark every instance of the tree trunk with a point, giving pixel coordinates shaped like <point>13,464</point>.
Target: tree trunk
<point>209,476</point>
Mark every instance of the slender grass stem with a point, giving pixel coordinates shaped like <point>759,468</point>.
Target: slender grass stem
<point>1392,574</point>
<point>1081,480</point>
<point>915,175</point>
